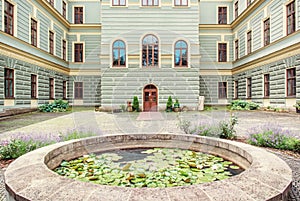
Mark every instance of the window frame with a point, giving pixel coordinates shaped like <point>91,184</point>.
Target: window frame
<point>291,79</point>
<point>119,54</point>
<point>236,9</point>
<point>77,12</point>
<point>119,3</point>
<point>222,15</point>
<point>266,31</point>
<point>249,87</point>
<point>78,90</point>
<point>78,52</point>
<point>33,85</point>
<point>236,49</point>
<point>145,47</point>
<point>236,89</point>
<point>51,2</point>
<point>51,88</point>
<point>9,83</point>
<point>181,55</point>
<point>64,9</point>
<point>266,85</point>
<point>181,3</point>
<point>222,90</point>
<point>51,42</point>
<point>291,14</point>
<point>153,3</point>
<point>249,42</point>
<point>8,17</point>
<point>64,49</point>
<point>224,50</point>
<point>64,89</point>
<point>34,33</point>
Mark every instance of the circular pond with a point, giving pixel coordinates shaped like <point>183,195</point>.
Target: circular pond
<point>155,167</point>
<point>31,176</point>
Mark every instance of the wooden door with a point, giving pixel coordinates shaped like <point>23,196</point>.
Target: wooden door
<point>150,98</point>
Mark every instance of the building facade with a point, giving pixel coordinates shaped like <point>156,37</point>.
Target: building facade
<point>104,53</point>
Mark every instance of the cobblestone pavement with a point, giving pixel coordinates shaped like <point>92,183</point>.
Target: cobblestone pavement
<point>104,123</point>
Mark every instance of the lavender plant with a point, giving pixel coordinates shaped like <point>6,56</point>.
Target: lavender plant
<point>274,136</point>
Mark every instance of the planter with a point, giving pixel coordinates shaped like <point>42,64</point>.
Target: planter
<point>297,110</point>
<point>169,109</point>
<point>176,109</point>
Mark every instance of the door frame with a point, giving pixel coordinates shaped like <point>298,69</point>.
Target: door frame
<point>157,95</point>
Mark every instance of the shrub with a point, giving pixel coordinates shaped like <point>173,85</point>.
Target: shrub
<point>176,104</point>
<point>243,105</point>
<point>135,104</point>
<point>224,129</point>
<point>16,148</point>
<point>56,106</point>
<point>169,104</point>
<point>273,136</point>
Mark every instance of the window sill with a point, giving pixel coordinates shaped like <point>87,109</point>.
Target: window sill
<point>290,97</point>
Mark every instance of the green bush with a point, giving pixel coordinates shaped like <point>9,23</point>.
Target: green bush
<point>56,106</point>
<point>243,105</point>
<point>136,104</point>
<point>16,148</point>
<point>169,105</point>
<point>227,128</point>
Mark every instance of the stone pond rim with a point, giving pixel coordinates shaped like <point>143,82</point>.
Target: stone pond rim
<point>266,177</point>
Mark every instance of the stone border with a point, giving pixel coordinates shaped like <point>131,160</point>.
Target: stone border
<point>266,177</point>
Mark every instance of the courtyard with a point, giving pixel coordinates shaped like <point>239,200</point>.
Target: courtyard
<point>55,124</point>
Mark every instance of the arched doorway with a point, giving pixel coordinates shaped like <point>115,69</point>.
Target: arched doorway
<point>150,98</point>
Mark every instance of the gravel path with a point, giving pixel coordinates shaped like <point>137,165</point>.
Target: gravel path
<point>126,123</point>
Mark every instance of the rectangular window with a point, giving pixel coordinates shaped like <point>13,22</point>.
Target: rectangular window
<point>64,9</point>
<point>51,88</point>
<point>119,2</point>
<point>9,83</point>
<point>150,2</point>
<point>236,9</point>
<point>266,85</point>
<point>64,50</point>
<point>51,42</point>
<point>181,2</point>
<point>8,18</point>
<point>248,2</point>
<point>33,32</point>
<point>249,42</point>
<point>249,87</point>
<point>78,87</point>
<point>236,49</point>
<point>78,52</point>
<point>64,89</point>
<point>222,90</point>
<point>78,15</point>
<point>222,52</point>
<point>267,32</point>
<point>51,2</point>
<point>33,86</point>
<point>222,15</point>
<point>290,18</point>
<point>291,82</point>
<point>236,89</point>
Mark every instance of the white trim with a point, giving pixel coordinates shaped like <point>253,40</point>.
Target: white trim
<point>73,51</point>
<point>159,48</point>
<point>188,55</point>
<point>227,51</point>
<point>234,49</point>
<point>227,13</point>
<point>111,53</point>
<point>118,6</point>
<point>158,6</point>
<point>54,41</point>
<point>73,13</point>
<point>184,6</point>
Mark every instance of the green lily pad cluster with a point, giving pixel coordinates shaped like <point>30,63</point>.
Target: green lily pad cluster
<point>161,167</point>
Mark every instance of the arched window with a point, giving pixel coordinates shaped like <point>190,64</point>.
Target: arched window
<point>181,54</point>
<point>150,51</point>
<point>119,53</point>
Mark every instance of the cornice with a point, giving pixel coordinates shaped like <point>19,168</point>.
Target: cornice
<point>30,58</point>
<point>64,21</point>
<point>215,26</point>
<point>254,5</point>
<point>273,57</point>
